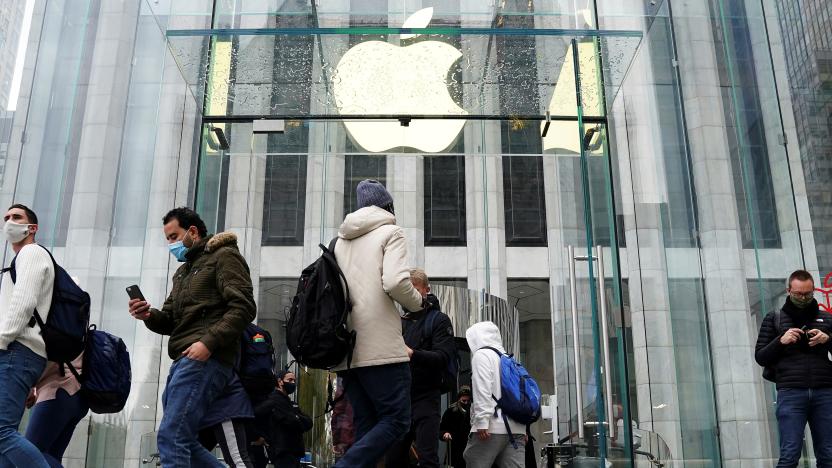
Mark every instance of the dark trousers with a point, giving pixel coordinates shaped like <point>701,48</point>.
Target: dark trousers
<point>795,408</point>
<point>259,459</point>
<point>52,422</point>
<point>231,437</point>
<point>284,460</point>
<point>380,399</point>
<point>423,435</point>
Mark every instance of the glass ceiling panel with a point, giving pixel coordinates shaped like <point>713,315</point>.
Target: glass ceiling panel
<point>361,72</point>
<point>266,13</point>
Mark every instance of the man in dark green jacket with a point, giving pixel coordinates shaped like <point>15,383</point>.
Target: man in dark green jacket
<point>209,305</point>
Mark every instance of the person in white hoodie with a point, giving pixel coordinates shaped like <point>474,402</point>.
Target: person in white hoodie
<point>372,252</point>
<point>489,444</point>
<point>22,349</point>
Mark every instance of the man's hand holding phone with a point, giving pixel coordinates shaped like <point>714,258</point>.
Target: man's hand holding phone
<point>139,309</point>
<point>138,306</point>
<point>791,336</point>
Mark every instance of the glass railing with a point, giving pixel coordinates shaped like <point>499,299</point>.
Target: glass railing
<point>649,451</point>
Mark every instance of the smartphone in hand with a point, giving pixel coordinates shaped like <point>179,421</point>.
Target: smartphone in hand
<point>135,293</point>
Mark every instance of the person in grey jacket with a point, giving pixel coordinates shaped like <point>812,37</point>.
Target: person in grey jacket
<point>372,253</point>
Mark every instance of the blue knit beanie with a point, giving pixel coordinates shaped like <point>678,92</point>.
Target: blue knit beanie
<point>371,193</point>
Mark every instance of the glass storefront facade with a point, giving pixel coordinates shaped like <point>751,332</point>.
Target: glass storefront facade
<point>623,186</point>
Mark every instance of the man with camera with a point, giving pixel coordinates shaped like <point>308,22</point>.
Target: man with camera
<point>793,346</point>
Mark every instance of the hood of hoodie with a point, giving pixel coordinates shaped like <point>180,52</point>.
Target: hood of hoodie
<point>484,334</point>
<point>365,220</point>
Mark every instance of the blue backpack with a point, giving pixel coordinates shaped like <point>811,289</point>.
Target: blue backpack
<point>257,361</point>
<point>519,393</point>
<point>65,329</point>
<point>106,375</point>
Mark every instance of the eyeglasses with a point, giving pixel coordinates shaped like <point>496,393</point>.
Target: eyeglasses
<point>800,295</point>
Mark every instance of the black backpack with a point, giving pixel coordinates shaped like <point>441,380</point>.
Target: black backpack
<point>257,361</point>
<point>65,329</point>
<point>769,372</point>
<point>316,330</point>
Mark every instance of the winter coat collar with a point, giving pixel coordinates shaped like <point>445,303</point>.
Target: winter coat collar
<point>809,312</point>
<point>220,240</point>
<point>211,244</point>
<point>365,220</point>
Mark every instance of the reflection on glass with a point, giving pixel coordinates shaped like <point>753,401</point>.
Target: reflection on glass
<point>445,200</point>
<point>284,206</point>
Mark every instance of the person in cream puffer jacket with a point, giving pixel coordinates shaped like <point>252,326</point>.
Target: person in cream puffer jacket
<point>372,252</point>
<point>489,441</point>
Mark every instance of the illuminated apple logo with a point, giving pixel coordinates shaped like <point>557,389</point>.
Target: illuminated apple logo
<point>378,78</point>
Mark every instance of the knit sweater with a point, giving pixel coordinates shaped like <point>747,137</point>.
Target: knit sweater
<point>18,301</point>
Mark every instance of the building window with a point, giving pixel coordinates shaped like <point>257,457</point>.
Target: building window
<point>284,209</point>
<point>523,190</point>
<point>358,167</point>
<point>525,207</point>
<point>445,200</point>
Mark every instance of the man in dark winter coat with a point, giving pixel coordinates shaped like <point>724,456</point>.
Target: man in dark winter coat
<point>210,303</point>
<point>793,345</point>
<point>429,336</point>
<point>286,423</point>
<point>456,424</point>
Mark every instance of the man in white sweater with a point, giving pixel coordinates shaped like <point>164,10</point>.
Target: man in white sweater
<point>489,443</point>
<point>22,350</point>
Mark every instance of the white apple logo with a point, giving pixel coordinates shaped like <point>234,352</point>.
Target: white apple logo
<point>378,78</point>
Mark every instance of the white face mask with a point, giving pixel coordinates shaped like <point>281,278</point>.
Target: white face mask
<point>14,232</point>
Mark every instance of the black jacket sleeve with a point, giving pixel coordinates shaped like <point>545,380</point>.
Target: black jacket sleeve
<point>264,408</point>
<point>445,425</point>
<point>442,342</point>
<point>768,349</point>
<point>288,416</point>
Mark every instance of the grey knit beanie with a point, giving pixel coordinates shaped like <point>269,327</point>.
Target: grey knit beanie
<point>371,193</point>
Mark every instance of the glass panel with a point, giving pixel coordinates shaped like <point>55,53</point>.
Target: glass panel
<point>339,83</point>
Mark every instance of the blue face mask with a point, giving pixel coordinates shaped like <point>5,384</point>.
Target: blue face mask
<point>178,250</point>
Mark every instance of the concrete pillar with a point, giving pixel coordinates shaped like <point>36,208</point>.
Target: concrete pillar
<point>741,404</point>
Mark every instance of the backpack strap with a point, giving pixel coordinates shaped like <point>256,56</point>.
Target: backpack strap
<point>330,391</point>
<point>331,252</point>
<point>505,421</point>
<point>505,418</point>
<point>428,323</point>
<point>499,353</point>
<point>777,315</point>
<point>36,318</point>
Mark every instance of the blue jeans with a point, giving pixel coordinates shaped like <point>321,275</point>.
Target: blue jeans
<point>380,399</point>
<point>796,407</point>
<point>191,388</point>
<point>52,422</point>
<point>20,369</point>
